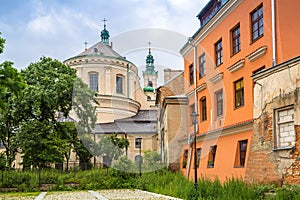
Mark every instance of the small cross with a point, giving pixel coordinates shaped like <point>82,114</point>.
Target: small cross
<point>85,45</point>
<point>149,44</point>
<point>104,20</point>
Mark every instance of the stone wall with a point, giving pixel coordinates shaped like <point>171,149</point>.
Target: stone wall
<point>274,155</point>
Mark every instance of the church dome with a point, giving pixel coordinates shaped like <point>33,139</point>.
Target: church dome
<point>149,58</point>
<point>104,33</point>
<point>101,49</point>
<point>148,89</point>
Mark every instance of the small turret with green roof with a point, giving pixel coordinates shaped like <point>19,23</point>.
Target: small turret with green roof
<point>150,64</point>
<point>105,34</point>
<point>149,87</point>
<point>150,75</point>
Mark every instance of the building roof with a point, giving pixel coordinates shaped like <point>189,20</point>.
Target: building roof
<point>144,122</point>
<point>100,49</point>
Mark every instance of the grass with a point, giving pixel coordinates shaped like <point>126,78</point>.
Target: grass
<point>162,181</point>
<point>19,195</point>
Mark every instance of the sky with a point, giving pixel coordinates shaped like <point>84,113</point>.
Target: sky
<point>59,28</point>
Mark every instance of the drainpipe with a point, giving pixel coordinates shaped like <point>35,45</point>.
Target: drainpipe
<point>274,47</point>
<point>195,76</point>
<point>192,43</point>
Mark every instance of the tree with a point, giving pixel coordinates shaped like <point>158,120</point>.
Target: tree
<point>151,157</point>
<point>2,161</point>
<point>11,86</point>
<point>111,147</point>
<point>49,92</point>
<point>2,42</point>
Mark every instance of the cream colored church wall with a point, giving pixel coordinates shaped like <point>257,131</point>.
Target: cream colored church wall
<point>149,142</point>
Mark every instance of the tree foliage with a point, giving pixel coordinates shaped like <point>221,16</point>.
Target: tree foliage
<point>111,147</point>
<point>43,137</point>
<point>11,85</point>
<point>2,42</point>
<point>151,157</point>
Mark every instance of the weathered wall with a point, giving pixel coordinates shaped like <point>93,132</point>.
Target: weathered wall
<point>269,163</point>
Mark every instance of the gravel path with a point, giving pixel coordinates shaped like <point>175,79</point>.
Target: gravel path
<point>10,197</point>
<point>92,195</point>
<point>81,195</point>
<point>132,195</point>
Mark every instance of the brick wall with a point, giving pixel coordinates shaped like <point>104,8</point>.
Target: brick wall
<point>274,156</point>
<point>292,175</point>
<point>261,166</point>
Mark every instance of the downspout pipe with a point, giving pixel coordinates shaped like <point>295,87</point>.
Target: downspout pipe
<point>274,44</point>
<point>191,42</point>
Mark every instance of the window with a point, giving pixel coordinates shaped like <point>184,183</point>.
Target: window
<point>94,81</point>
<point>257,22</point>
<point>219,53</point>
<point>191,71</point>
<point>219,102</point>
<point>192,109</point>
<point>119,85</point>
<point>239,93</point>
<point>258,70</point>
<point>285,129</point>
<point>198,157</point>
<point>202,70</point>
<point>236,40</point>
<point>184,159</point>
<point>241,153</point>
<point>212,157</point>
<point>138,143</point>
<point>138,159</point>
<point>203,109</point>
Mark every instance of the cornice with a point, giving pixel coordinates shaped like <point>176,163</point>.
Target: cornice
<point>257,53</point>
<point>210,25</point>
<point>217,77</point>
<point>201,87</point>
<point>236,66</point>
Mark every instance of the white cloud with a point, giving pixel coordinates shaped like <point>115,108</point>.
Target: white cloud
<point>60,30</point>
<point>42,25</point>
<point>181,5</point>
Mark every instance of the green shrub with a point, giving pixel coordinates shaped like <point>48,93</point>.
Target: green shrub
<point>287,192</point>
<point>161,181</point>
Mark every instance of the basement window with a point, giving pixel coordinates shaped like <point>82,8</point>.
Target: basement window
<point>212,157</point>
<point>184,159</point>
<point>284,128</point>
<point>198,157</point>
<point>240,157</point>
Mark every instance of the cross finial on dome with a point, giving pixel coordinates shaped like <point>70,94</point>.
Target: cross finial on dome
<point>86,43</point>
<point>104,20</point>
<point>149,43</point>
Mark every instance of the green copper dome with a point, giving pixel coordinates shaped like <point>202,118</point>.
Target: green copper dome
<point>105,36</point>
<point>148,89</point>
<point>149,59</point>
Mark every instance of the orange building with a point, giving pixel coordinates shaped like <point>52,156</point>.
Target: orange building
<point>236,39</point>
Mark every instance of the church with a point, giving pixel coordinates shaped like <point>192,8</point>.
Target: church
<point>125,108</point>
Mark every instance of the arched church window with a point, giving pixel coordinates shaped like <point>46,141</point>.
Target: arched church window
<point>94,81</point>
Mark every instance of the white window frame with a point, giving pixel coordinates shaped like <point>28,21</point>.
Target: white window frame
<point>277,124</point>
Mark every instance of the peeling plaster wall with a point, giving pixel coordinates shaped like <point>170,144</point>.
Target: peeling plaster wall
<point>268,164</point>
